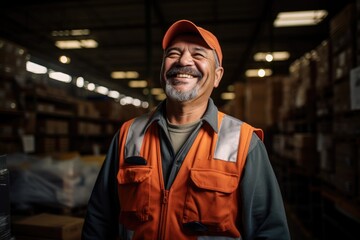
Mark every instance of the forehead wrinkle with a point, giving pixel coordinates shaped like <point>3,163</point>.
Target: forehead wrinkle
<point>173,48</point>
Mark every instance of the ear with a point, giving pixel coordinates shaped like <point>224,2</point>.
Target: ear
<point>219,71</point>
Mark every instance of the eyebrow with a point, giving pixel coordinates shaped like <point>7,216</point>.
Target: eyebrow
<point>173,48</point>
<point>197,48</point>
<point>200,49</point>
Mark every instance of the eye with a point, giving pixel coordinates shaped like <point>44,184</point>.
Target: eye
<point>172,54</point>
<point>198,55</point>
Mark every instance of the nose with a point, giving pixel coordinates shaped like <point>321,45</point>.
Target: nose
<point>186,59</point>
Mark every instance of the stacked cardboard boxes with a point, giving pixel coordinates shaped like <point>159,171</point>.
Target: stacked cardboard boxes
<point>46,226</point>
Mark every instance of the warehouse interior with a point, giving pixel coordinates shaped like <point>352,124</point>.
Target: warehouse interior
<point>73,71</point>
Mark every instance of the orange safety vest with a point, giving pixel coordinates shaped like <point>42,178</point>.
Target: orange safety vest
<point>202,200</point>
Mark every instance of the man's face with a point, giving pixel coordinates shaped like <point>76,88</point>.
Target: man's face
<point>189,71</point>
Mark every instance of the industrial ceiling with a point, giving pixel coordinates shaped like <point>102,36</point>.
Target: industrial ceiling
<point>129,34</point>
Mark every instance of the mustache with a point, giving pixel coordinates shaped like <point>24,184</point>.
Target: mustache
<point>173,71</point>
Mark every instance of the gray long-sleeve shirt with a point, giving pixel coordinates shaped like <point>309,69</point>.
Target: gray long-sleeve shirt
<point>262,209</point>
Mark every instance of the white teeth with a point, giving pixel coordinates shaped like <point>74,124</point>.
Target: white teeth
<point>182,75</point>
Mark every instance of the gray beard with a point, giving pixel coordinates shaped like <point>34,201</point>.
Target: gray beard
<point>181,96</point>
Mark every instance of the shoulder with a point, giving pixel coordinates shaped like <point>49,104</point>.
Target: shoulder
<point>235,124</point>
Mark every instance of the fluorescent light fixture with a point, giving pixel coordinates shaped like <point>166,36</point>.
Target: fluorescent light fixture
<point>137,102</point>
<point>114,94</point>
<point>35,68</point>
<point>118,75</point>
<point>68,44</point>
<point>124,75</point>
<point>60,76</point>
<point>79,32</point>
<point>261,73</point>
<point>80,82</point>
<point>126,100</point>
<point>76,44</point>
<point>64,59</point>
<point>156,91</point>
<point>299,18</point>
<point>137,84</point>
<point>88,43</point>
<point>73,32</point>
<point>276,56</point>
<point>227,95</point>
<point>269,57</point>
<point>90,86</point>
<point>102,90</point>
<point>258,72</point>
<point>145,104</point>
<point>160,97</point>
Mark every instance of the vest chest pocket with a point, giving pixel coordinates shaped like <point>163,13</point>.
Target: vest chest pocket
<point>211,202</point>
<point>134,194</point>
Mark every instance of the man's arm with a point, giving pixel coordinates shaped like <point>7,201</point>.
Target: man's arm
<point>101,220</point>
<point>263,213</point>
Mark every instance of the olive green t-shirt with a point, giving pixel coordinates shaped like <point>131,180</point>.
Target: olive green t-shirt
<point>179,133</point>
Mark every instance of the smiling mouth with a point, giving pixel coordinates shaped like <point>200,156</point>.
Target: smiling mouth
<point>183,75</point>
<point>183,72</point>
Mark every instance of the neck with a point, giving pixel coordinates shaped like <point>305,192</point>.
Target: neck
<point>183,113</point>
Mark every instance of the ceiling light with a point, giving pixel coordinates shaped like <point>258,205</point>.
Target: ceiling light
<point>124,75</point>
<point>138,84</point>
<point>126,100</point>
<point>131,74</point>
<point>258,72</point>
<point>299,18</point>
<point>156,91</point>
<point>80,82</point>
<point>114,94</point>
<point>68,44</point>
<point>88,43</point>
<point>276,56</point>
<point>261,73</point>
<point>64,59</point>
<point>102,90</point>
<point>90,86</point>
<point>59,76</point>
<point>137,102</point>
<point>227,95</point>
<point>160,97</point>
<point>76,44</point>
<point>269,57</point>
<point>79,32</point>
<point>73,32</point>
<point>35,68</point>
<point>145,104</point>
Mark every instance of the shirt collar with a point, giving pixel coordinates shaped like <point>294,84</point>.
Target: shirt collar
<point>210,116</point>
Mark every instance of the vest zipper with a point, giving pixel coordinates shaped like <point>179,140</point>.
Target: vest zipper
<point>162,227</point>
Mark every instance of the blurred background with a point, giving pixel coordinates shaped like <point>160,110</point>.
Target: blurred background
<point>71,72</point>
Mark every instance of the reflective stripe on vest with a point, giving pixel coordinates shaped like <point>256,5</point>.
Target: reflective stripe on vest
<point>226,147</point>
<point>228,139</point>
<point>135,136</point>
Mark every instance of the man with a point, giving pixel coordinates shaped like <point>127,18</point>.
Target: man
<point>186,170</point>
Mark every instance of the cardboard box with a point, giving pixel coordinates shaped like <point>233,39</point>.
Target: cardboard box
<point>48,226</point>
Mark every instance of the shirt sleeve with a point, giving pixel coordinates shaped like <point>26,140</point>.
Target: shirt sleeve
<point>101,220</point>
<point>262,210</point>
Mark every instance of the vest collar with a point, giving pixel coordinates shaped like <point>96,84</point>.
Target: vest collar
<point>210,116</point>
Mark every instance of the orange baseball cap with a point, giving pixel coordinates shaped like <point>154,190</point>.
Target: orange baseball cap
<point>186,26</point>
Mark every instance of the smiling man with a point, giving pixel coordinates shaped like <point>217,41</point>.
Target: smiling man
<point>187,170</point>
